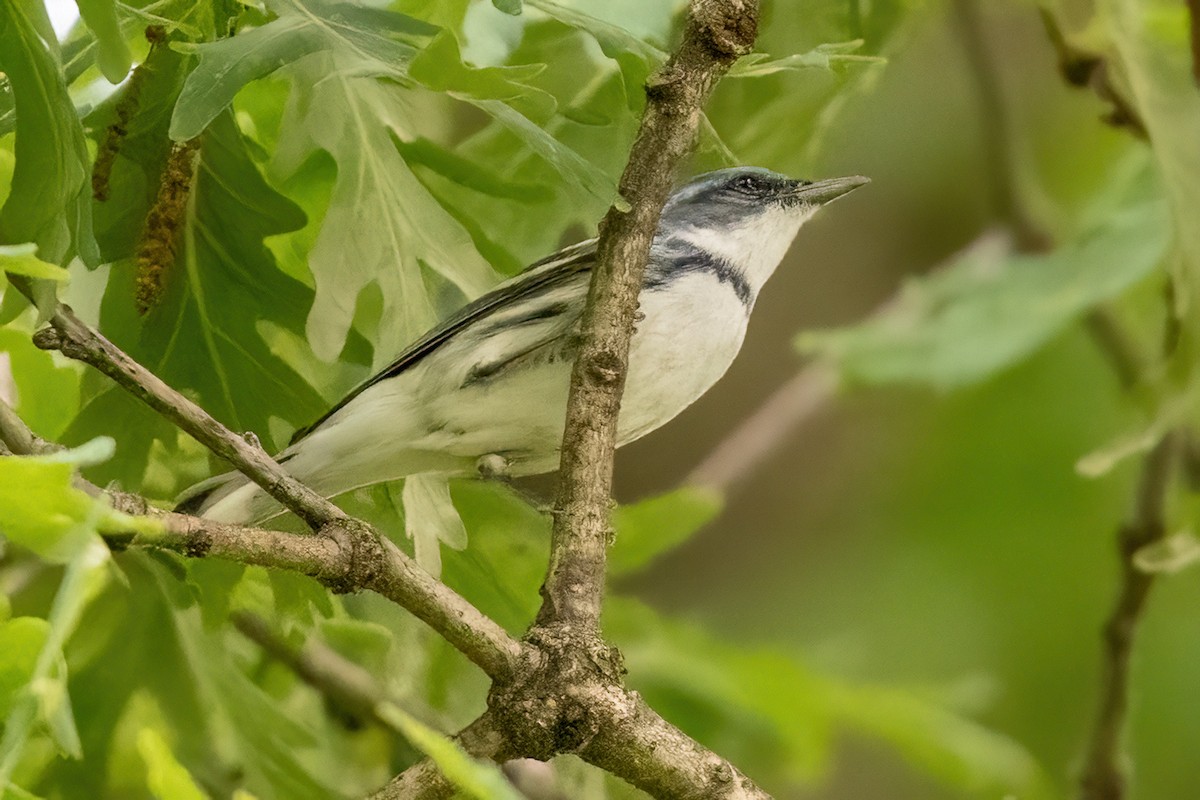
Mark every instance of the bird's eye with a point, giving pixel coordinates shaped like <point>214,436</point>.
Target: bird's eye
<point>748,184</point>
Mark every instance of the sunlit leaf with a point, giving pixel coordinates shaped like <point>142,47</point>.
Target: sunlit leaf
<point>478,779</point>
<point>46,392</point>
<point>166,777</point>
<point>21,639</point>
<point>49,202</point>
<point>21,259</point>
<point>45,699</point>
<point>112,56</point>
<point>42,510</point>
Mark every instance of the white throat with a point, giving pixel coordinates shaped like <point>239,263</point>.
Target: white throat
<point>757,245</point>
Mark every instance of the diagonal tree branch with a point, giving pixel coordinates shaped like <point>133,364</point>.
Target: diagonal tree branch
<point>1103,776</point>
<point>717,33</point>
<point>756,438</point>
<point>75,339</point>
<point>355,692</point>
<point>346,685</point>
<point>17,436</point>
<point>348,556</point>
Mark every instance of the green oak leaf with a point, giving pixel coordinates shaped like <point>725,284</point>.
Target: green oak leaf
<point>206,335</point>
<point>112,51</point>
<point>21,259</point>
<point>381,42</point>
<point>764,706</point>
<point>382,225</point>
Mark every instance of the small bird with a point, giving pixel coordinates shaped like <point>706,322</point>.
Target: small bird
<point>486,390</point>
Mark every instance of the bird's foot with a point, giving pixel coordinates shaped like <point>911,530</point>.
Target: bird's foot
<point>494,467</point>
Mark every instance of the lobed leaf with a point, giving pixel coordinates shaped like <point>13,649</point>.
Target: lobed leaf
<point>381,42</point>
<point>49,202</point>
<point>381,225</point>
<point>206,334</point>
<point>45,699</point>
<point>112,52</point>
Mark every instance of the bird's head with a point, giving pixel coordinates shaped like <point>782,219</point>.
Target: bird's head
<point>748,215</point>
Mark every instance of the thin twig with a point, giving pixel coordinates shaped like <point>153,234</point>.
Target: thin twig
<point>1103,773</point>
<point>999,140</point>
<point>347,686</point>
<point>368,560</point>
<point>1084,69</point>
<point>560,690</point>
<point>338,561</point>
<point>717,32</point>
<point>1127,360</point>
<point>1103,776</point>
<point>75,339</point>
<point>762,433</point>
<point>17,436</point>
<point>19,439</point>
<point>349,557</point>
<point>355,692</point>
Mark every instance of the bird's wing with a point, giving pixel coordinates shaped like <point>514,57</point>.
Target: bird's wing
<point>546,274</point>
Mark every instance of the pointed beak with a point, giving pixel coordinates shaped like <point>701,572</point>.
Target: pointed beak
<point>821,192</point>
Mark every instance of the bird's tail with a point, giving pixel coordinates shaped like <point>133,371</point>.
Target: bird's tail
<point>229,497</point>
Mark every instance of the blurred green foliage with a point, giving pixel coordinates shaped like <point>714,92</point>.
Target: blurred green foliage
<point>919,629</point>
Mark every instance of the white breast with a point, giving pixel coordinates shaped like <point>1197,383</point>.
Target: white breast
<point>687,340</point>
